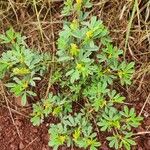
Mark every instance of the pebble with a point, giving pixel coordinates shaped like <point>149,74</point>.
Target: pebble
<point>146,114</point>
<point>21,145</point>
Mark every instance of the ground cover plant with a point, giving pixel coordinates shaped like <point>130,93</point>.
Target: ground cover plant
<point>91,65</point>
<point>20,66</point>
<point>87,66</point>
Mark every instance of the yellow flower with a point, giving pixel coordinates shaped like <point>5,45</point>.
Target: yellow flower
<point>89,34</point>
<point>79,66</point>
<point>47,105</point>
<point>79,1</point>
<point>25,85</point>
<point>110,56</point>
<point>74,46</point>
<point>89,142</point>
<point>56,110</point>
<point>103,104</point>
<point>120,73</point>
<point>116,124</point>
<point>76,134</point>
<point>74,25</point>
<point>74,49</point>
<point>107,70</point>
<point>21,71</point>
<point>62,139</point>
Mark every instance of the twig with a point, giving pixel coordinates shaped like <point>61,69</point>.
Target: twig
<point>17,112</point>
<point>6,99</point>
<point>141,133</point>
<point>130,25</point>
<point>39,23</point>
<point>31,143</point>
<point>144,104</point>
<point>14,10</point>
<point>53,55</point>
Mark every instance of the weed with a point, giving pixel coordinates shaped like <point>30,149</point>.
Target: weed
<point>20,66</point>
<point>73,130</point>
<point>88,64</point>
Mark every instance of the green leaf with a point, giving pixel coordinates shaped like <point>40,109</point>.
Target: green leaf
<point>65,58</point>
<point>36,121</point>
<point>24,99</point>
<point>31,93</point>
<point>4,39</point>
<point>74,76</point>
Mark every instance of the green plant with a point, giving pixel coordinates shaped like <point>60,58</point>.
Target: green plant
<point>73,130</point>
<point>88,65</point>
<point>120,123</point>
<point>83,99</point>
<point>118,141</point>
<point>54,105</point>
<point>21,67</point>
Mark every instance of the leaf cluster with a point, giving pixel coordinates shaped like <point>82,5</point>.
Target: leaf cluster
<point>73,130</point>
<point>20,66</point>
<point>87,66</point>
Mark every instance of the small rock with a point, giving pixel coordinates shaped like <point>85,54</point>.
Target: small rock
<point>140,105</point>
<point>18,123</point>
<point>1,128</point>
<point>146,114</point>
<point>21,145</point>
<point>27,141</point>
<point>11,140</point>
<point>14,133</point>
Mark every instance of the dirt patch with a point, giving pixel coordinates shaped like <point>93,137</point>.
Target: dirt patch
<point>36,138</point>
<point>31,138</point>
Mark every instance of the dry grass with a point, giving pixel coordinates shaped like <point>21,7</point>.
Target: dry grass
<point>127,20</point>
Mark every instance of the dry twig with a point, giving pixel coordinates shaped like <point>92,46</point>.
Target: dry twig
<point>11,116</point>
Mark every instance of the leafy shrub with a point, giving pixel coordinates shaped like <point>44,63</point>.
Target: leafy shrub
<point>20,66</point>
<point>88,65</point>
